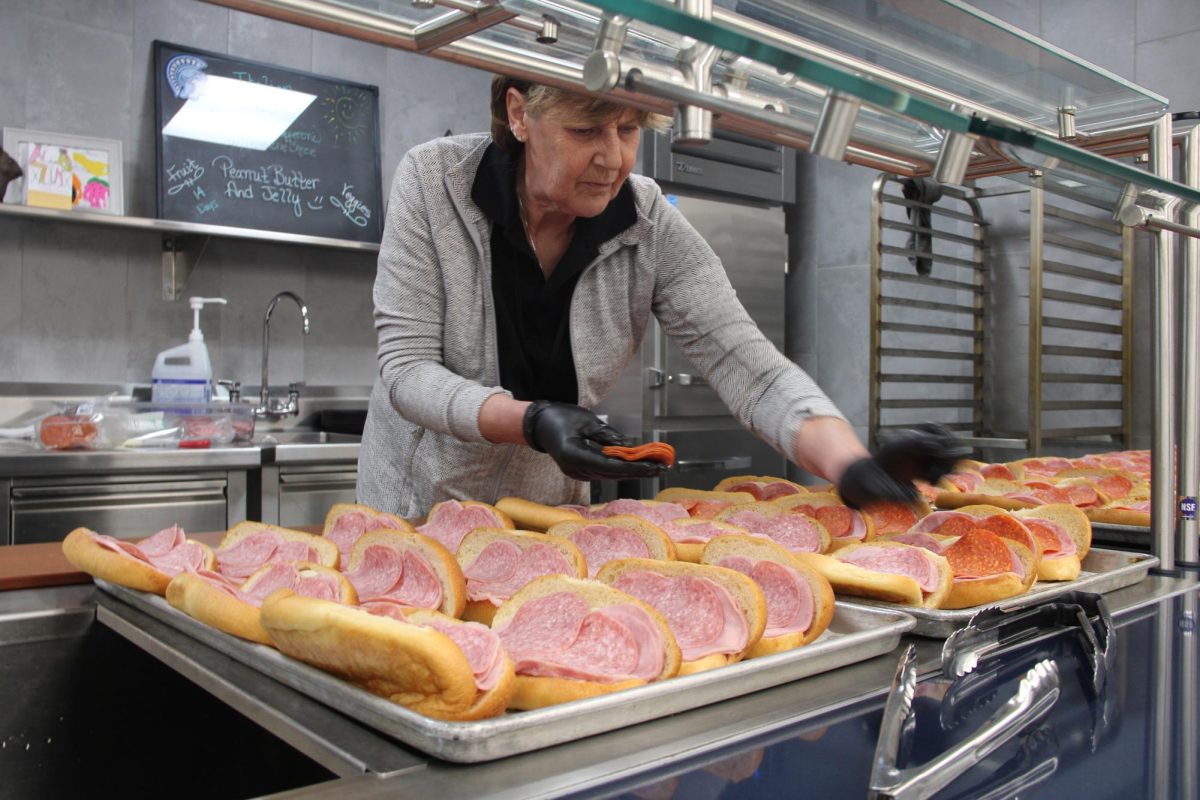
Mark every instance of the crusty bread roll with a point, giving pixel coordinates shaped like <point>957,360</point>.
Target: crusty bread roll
<point>700,502</point>
<point>405,661</point>
<point>538,691</point>
<point>992,491</point>
<point>234,609</point>
<point>583,534</point>
<point>757,550</point>
<point>1119,512</point>
<point>692,551</point>
<point>834,515</point>
<point>474,543</point>
<point>852,579</point>
<point>443,564</point>
<point>531,516</point>
<point>85,553</point>
<point>741,588</point>
<point>762,487</point>
<point>323,551</point>
<point>1058,566</point>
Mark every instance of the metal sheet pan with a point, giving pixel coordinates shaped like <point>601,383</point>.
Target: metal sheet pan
<point>856,634</point>
<point>1102,571</point>
<point>1130,535</point>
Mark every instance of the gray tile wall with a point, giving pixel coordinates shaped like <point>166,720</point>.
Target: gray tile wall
<point>83,303</point>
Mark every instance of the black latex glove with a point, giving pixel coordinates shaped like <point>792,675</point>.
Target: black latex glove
<point>927,452</point>
<point>573,436</point>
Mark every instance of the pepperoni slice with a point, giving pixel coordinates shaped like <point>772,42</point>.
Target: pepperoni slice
<point>892,517</point>
<point>707,509</point>
<point>997,471</point>
<point>956,526</point>
<point>838,520</point>
<point>1115,486</point>
<point>1046,537</point>
<point>651,451</point>
<point>1007,527</point>
<point>978,553</point>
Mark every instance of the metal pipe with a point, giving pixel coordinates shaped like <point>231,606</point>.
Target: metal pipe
<point>1036,244</point>
<point>693,124</point>
<point>832,133</point>
<point>1189,420</point>
<point>1162,469</point>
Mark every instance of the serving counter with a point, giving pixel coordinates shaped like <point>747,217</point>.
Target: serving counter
<point>814,736</point>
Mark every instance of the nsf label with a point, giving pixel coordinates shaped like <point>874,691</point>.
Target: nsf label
<point>1187,507</point>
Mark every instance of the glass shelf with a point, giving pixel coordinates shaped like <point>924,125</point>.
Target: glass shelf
<point>1102,179</point>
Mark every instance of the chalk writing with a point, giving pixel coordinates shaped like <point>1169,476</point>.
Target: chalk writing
<point>297,143</point>
<point>204,208</point>
<point>265,80</point>
<point>183,175</point>
<point>355,210</point>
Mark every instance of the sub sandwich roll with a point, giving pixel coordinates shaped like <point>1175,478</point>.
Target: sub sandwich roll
<point>530,516</point>
<point>612,538</point>
<point>796,532</point>
<point>147,566</point>
<point>423,660</point>
<point>762,487</point>
<point>497,562</point>
<point>572,638</point>
<point>1000,492</point>
<point>248,546</point>
<point>691,535</point>
<point>799,599</point>
<point>884,570</point>
<point>449,521</point>
<point>408,569</point>
<point>701,503</point>
<point>1064,533</point>
<point>1114,484</point>
<point>845,525</point>
<point>716,614</point>
<point>987,568</point>
<point>345,522</point>
<point>1127,511</point>
<point>959,522</point>
<point>222,604</point>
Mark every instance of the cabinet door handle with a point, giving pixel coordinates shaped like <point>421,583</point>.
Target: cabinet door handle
<point>685,379</point>
<point>728,463</point>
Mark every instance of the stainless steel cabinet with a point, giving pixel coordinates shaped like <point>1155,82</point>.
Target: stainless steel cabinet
<point>46,509</point>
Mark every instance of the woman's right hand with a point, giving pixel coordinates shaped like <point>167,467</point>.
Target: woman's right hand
<point>574,436</point>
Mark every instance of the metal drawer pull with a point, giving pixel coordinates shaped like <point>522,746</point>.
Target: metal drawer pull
<point>732,462</point>
<point>686,379</point>
<point>1036,695</point>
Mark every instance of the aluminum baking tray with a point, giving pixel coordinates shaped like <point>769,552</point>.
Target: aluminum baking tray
<point>1102,571</point>
<point>1111,533</point>
<point>856,634</point>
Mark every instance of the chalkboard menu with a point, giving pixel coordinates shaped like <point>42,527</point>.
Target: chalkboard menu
<point>255,146</point>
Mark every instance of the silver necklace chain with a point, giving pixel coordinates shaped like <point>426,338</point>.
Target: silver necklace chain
<point>525,226</point>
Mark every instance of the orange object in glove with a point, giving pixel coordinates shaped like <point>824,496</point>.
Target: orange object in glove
<point>651,451</point>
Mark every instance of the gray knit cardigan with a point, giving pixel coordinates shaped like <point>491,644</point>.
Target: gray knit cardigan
<point>437,338</point>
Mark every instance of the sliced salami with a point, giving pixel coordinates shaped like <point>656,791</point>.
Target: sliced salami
<point>703,616</point>
<point>603,543</point>
<point>380,569</point>
<point>451,521</point>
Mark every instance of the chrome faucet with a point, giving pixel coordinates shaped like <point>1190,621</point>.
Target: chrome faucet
<point>275,408</point>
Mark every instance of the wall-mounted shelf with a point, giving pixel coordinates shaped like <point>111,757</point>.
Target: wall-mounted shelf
<point>183,242</point>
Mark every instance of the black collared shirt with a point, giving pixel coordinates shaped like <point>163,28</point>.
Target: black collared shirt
<point>532,311</point>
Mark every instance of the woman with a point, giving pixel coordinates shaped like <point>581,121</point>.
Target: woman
<point>517,275</point>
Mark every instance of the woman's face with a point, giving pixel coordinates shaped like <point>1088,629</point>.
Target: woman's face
<point>574,167</point>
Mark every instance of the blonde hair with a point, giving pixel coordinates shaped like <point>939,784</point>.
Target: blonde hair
<point>540,99</point>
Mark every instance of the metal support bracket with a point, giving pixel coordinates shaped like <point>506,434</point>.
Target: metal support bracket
<point>180,255</point>
<point>602,70</point>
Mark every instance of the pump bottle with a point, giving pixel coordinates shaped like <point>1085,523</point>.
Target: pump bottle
<point>183,374</point>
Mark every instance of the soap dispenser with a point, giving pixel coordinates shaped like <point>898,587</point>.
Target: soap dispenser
<point>183,374</point>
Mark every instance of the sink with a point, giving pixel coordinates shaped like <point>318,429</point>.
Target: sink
<point>306,446</point>
<point>293,437</point>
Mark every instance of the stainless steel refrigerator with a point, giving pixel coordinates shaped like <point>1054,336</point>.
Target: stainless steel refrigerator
<point>662,397</point>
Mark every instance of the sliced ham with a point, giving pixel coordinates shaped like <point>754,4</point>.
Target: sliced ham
<point>790,603</point>
<point>479,644</point>
<point>350,526</point>
<point>243,557</point>
<point>169,551</point>
<point>897,561</point>
<point>956,523</point>
<point>603,543</point>
<point>184,557</point>
<point>793,531</point>
<point>451,521</point>
<point>702,614</point>
<point>919,539</point>
<point>558,636</point>
<point>506,575</point>
<point>658,513</point>
<point>162,542</point>
<point>1053,538</point>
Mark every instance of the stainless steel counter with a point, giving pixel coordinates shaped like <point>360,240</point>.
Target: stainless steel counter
<point>27,460</point>
<point>372,765</point>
